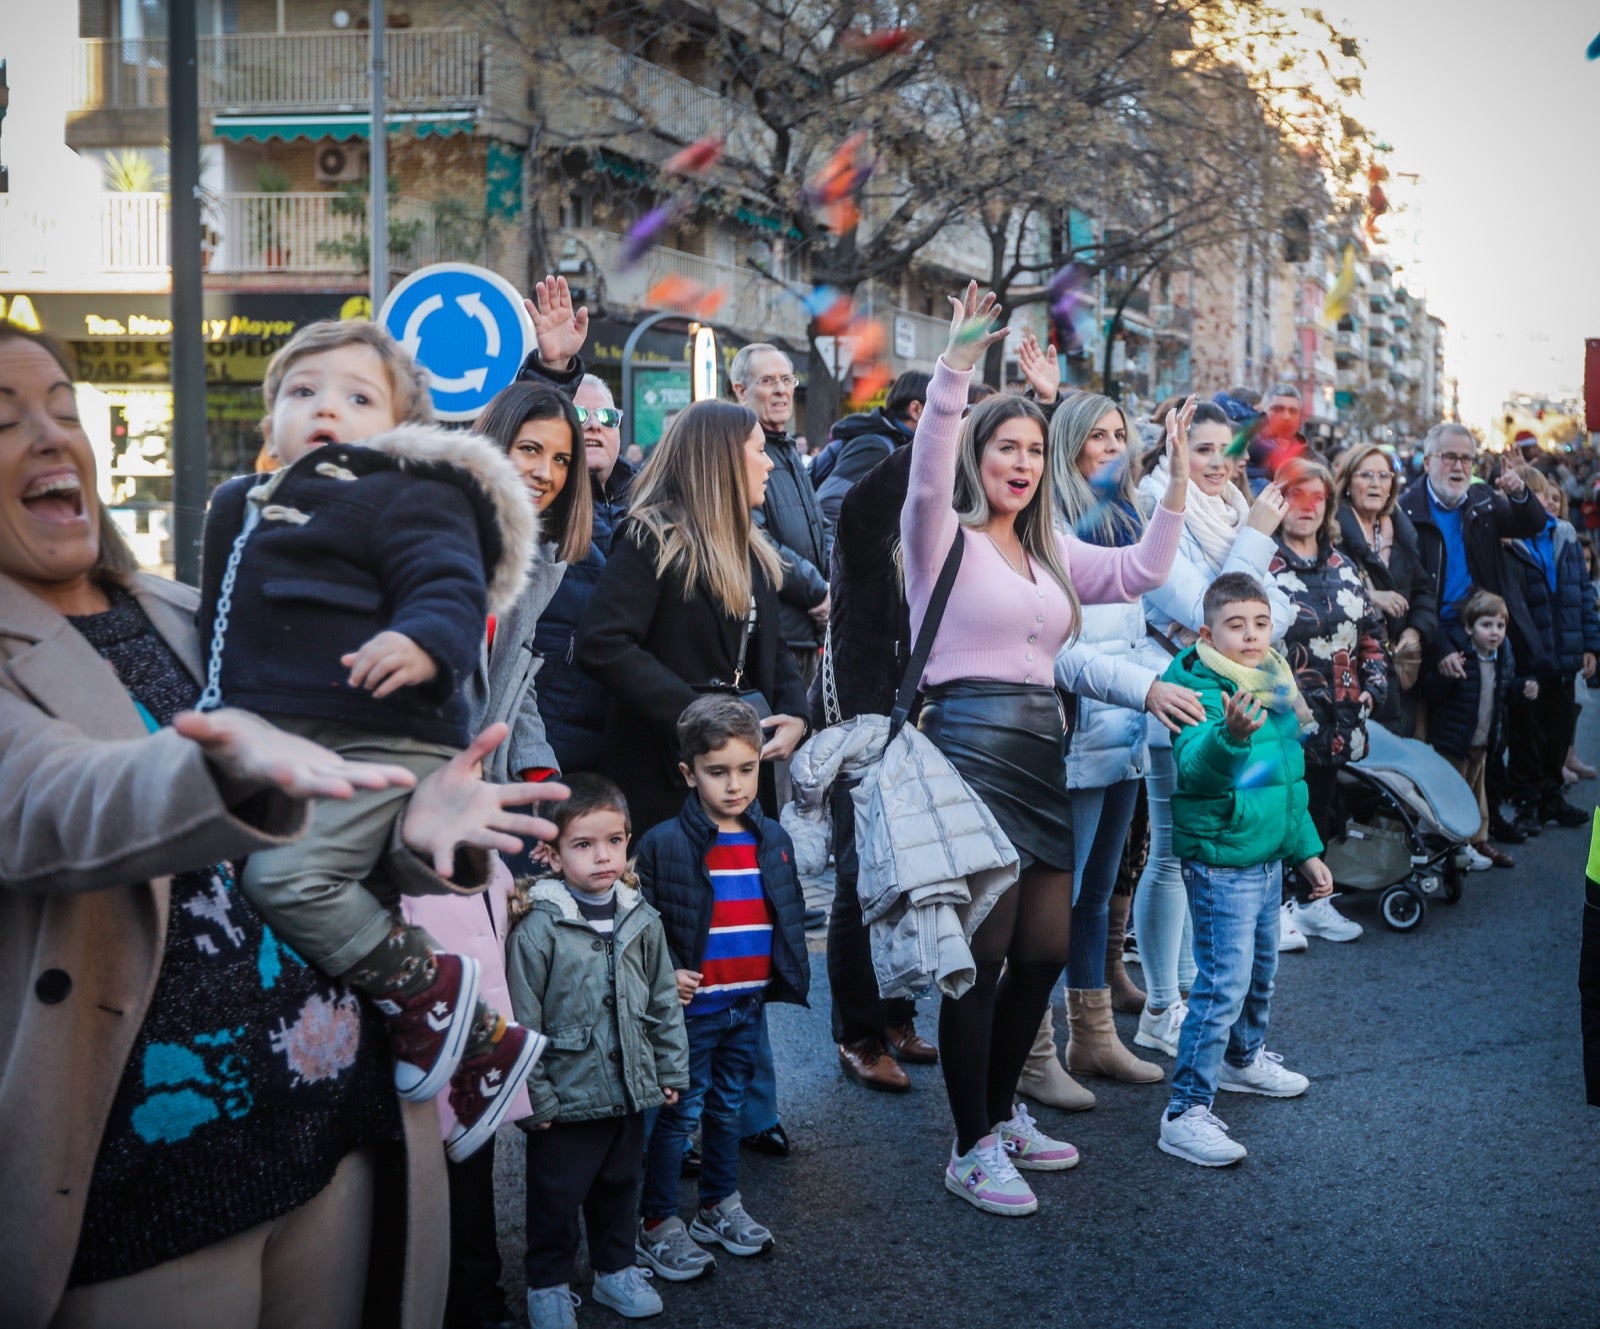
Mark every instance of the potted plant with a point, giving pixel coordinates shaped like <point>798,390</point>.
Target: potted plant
<point>270,179</point>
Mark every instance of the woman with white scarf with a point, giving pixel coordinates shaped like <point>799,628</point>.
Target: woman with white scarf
<point>1222,532</point>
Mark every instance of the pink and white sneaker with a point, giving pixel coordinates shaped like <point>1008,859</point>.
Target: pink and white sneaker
<point>985,1177</point>
<point>1030,1148</point>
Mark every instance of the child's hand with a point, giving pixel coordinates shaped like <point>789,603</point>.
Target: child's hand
<point>1530,689</point>
<point>688,985</point>
<point>1453,665</point>
<point>669,1097</point>
<point>1243,714</point>
<point>388,662</point>
<point>1315,871</point>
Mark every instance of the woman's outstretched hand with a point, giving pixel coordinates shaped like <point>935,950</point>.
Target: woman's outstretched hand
<point>1178,422</point>
<point>972,330</point>
<point>1269,509</point>
<point>249,756</point>
<point>1041,366</point>
<point>455,808</point>
<point>559,329</point>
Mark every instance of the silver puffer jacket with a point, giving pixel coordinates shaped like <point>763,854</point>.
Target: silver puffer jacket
<point>933,859</point>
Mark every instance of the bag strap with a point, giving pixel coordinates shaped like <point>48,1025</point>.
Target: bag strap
<point>744,645</point>
<point>930,629</point>
<point>1167,644</point>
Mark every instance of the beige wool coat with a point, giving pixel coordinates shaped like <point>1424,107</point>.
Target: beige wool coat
<point>95,816</point>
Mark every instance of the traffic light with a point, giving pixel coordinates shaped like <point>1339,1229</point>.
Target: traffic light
<point>5,101</point>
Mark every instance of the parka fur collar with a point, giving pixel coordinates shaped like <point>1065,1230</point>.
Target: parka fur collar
<point>474,464</point>
<point>555,893</point>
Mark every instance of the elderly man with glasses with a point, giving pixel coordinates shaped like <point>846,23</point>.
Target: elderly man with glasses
<point>1460,523</point>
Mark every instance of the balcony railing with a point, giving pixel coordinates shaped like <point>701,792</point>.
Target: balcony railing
<point>245,233</point>
<point>428,68</point>
<point>599,83</point>
<point>753,304</point>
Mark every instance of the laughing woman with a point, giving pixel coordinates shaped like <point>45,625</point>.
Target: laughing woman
<point>992,710</point>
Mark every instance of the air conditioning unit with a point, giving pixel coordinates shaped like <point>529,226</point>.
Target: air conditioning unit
<point>337,163</point>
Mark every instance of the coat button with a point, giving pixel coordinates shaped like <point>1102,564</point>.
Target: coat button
<point>597,945</point>
<point>53,986</point>
<point>616,1055</point>
<point>610,1001</point>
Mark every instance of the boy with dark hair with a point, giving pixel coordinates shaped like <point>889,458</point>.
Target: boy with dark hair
<point>724,880</point>
<point>591,945</point>
<point>1464,714</point>
<point>1239,810</point>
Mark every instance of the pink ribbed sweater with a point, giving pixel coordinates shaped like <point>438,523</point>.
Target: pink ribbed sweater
<point>998,625</point>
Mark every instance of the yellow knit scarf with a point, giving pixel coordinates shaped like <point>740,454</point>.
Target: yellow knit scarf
<point>1272,684</point>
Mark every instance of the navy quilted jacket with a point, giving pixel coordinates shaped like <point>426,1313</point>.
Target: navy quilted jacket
<point>571,704</point>
<point>671,866</point>
<point>1453,702</point>
<point>1565,622</point>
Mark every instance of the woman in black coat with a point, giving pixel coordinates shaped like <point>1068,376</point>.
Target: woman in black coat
<point>686,574</point>
<point>1380,539</point>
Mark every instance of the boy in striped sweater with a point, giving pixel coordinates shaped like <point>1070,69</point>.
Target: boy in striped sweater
<point>722,877</point>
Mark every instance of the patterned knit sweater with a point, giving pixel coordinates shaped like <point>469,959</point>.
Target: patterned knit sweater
<point>252,1075</point>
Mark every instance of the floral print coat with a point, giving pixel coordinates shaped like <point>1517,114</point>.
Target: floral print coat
<point>1334,647</point>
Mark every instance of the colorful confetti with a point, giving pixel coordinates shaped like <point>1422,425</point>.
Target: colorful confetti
<point>891,41</point>
<point>1594,49</point>
<point>834,321</point>
<point>1337,304</point>
<point>686,296</point>
<point>696,159</point>
<point>1242,440</point>
<point>843,174</point>
<point>1068,303</point>
<point>868,339</point>
<point>1088,526</point>
<point>1106,482</point>
<point>646,233</point>
<point>873,379</point>
<point>1256,774</point>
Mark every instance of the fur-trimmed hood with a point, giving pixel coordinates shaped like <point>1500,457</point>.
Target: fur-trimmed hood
<point>515,522</point>
<point>507,521</point>
<point>554,892</point>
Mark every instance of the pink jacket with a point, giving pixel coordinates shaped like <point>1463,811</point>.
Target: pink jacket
<point>999,625</point>
<point>463,925</point>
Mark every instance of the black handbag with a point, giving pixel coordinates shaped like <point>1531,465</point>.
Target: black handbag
<point>752,697</point>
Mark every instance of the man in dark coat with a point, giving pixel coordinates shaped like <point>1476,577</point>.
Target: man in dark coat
<point>763,379</point>
<point>1459,529</point>
<point>863,440</point>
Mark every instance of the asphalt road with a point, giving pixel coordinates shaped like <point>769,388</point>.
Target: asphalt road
<point>1441,1171</point>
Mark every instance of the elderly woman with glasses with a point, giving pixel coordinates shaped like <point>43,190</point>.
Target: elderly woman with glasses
<point>1381,541</point>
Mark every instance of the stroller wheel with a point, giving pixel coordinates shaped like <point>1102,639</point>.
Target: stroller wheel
<point>1403,908</point>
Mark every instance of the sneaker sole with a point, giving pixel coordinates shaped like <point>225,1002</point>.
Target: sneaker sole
<point>1046,1165</point>
<point>1234,1088</point>
<point>674,1275</point>
<point>990,1206</point>
<point>455,1039</point>
<point>1326,936</point>
<point>1199,1162</point>
<point>1144,1040</point>
<point>700,1232</point>
<point>1294,945</point>
<point>481,1131</point>
<point>598,1295</point>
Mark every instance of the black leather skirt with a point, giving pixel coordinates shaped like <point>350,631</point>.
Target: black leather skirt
<point>1008,740</point>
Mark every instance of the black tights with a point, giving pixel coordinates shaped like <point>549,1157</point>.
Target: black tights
<point>985,1035</point>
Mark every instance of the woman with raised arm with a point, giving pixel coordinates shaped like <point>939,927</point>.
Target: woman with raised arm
<point>991,708</point>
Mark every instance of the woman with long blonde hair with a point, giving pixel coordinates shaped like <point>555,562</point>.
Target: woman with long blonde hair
<point>688,604</point>
<point>990,706</point>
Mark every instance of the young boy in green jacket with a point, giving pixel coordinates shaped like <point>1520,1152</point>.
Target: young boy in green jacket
<point>1239,810</point>
<point>590,964</point>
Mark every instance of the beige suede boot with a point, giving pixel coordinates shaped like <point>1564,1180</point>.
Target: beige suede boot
<point>1093,1047</point>
<point>1046,1080</point>
<point>1125,994</point>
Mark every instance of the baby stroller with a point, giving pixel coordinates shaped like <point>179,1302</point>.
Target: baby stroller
<point>1407,813</point>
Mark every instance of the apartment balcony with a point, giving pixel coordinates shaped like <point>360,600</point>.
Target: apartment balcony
<point>1170,320</point>
<point>1348,346</point>
<point>1378,332</point>
<point>120,86</point>
<point>755,305</point>
<point>1350,380</point>
<point>606,97</point>
<point>124,238</point>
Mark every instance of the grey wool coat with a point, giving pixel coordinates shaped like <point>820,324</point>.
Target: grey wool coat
<point>504,688</point>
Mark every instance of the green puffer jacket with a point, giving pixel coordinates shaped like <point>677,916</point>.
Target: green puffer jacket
<point>1214,820</point>
<point>615,1044</point>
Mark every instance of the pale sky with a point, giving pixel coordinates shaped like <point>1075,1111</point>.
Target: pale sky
<point>1494,105</point>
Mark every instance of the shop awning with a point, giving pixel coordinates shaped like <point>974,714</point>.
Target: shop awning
<point>339,125</point>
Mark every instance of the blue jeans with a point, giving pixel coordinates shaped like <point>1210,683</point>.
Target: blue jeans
<point>1236,955</point>
<point>760,1109</point>
<point>722,1058</point>
<point>1100,820</point>
<point>1160,905</point>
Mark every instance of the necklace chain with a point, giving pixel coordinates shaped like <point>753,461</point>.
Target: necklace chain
<point>1023,570</point>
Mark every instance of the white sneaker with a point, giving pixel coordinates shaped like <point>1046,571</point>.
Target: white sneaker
<point>1469,859</point>
<point>1199,1137</point>
<point>1321,919</point>
<point>1159,1029</point>
<point>1030,1148</point>
<point>1265,1075</point>
<point>1290,938</point>
<point>984,1176</point>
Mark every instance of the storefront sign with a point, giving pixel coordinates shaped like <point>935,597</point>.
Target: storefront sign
<point>252,315</point>
<point>658,395</point>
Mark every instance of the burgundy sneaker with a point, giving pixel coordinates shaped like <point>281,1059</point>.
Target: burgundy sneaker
<point>429,1032</point>
<point>483,1089</point>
